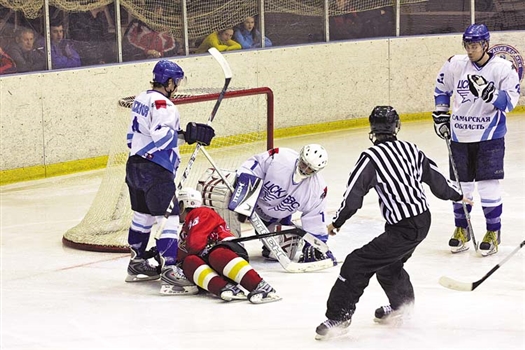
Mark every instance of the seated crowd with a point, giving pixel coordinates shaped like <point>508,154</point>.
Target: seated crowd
<point>88,38</point>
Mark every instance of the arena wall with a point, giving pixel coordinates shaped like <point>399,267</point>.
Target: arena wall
<point>59,121</point>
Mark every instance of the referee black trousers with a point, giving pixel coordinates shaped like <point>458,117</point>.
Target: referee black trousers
<point>385,257</point>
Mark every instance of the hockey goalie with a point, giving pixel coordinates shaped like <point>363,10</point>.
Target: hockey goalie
<point>275,184</point>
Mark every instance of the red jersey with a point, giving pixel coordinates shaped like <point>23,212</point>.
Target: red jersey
<point>203,228</point>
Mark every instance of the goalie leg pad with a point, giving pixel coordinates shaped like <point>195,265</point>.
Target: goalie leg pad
<point>290,243</point>
<point>216,195</point>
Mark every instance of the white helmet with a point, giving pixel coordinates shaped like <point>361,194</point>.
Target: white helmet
<point>189,197</point>
<point>312,158</point>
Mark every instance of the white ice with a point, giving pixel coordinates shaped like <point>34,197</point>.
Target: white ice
<point>54,297</point>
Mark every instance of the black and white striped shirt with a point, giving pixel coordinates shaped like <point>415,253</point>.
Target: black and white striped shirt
<point>397,171</point>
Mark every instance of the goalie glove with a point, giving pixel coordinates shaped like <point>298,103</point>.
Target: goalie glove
<point>198,132</point>
<point>441,124</point>
<point>310,254</point>
<point>479,87</point>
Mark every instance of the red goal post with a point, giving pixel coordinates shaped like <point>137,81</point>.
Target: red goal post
<point>243,126</point>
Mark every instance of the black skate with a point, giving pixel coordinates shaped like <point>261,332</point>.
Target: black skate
<point>332,328</point>
<point>387,315</point>
<point>140,269</point>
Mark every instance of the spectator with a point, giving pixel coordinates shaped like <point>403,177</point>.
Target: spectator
<point>91,30</point>
<point>248,36</point>
<point>141,41</point>
<point>378,22</point>
<point>7,65</point>
<point>221,40</point>
<point>63,54</point>
<point>25,56</point>
<point>346,26</point>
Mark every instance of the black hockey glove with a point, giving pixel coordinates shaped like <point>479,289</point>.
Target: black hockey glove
<point>479,87</point>
<point>441,124</point>
<point>310,254</point>
<point>197,132</point>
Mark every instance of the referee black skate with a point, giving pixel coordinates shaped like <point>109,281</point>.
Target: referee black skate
<point>396,170</point>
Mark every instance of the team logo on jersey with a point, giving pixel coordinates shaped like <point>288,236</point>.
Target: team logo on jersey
<point>510,54</point>
<point>463,90</point>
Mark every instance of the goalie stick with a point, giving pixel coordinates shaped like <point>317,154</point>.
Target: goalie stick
<point>314,241</point>
<point>261,230</point>
<point>467,214</point>
<point>227,78</point>
<point>450,283</point>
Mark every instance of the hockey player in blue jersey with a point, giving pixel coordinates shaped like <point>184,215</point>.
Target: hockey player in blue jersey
<point>485,88</point>
<point>153,137</point>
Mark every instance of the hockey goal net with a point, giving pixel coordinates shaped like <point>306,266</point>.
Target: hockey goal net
<point>243,127</point>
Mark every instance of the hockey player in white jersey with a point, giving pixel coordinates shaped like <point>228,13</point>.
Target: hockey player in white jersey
<point>485,88</point>
<point>153,137</point>
<point>292,183</point>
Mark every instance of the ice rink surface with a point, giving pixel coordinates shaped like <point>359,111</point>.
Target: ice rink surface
<point>54,297</point>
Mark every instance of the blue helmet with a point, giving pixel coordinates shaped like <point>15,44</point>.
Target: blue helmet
<point>165,69</point>
<point>476,33</point>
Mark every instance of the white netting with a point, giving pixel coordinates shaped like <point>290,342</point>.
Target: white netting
<point>204,16</point>
<point>243,127</point>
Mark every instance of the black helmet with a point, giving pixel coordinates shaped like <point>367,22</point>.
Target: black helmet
<point>384,120</point>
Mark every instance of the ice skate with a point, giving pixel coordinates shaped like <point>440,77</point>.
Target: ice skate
<point>459,240</point>
<point>490,243</point>
<point>175,283</point>
<point>139,269</point>
<point>387,315</point>
<point>263,293</point>
<point>232,292</point>
<point>332,328</point>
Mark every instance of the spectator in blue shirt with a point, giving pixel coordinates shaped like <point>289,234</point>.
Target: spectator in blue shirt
<point>63,55</point>
<point>248,36</point>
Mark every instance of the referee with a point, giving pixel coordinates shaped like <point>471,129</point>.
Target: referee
<point>396,170</point>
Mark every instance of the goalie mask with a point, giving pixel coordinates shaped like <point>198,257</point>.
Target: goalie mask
<point>312,159</point>
<point>164,70</point>
<point>384,120</point>
<point>189,198</point>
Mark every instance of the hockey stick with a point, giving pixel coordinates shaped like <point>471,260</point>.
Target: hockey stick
<point>450,283</point>
<point>319,245</point>
<point>270,242</point>
<point>291,231</point>
<point>467,214</point>
<point>227,78</point>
